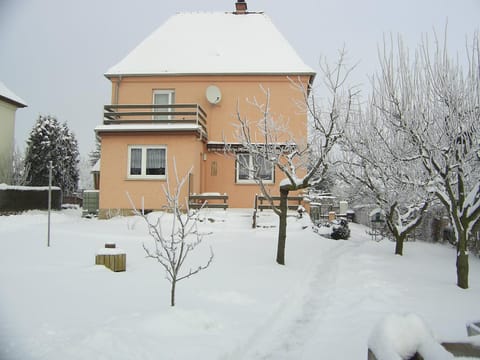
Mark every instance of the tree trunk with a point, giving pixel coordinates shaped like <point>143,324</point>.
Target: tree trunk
<point>399,238</point>
<point>172,293</point>
<point>399,245</point>
<point>282,228</point>
<point>462,261</point>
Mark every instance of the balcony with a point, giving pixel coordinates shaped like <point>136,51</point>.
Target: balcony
<point>150,117</point>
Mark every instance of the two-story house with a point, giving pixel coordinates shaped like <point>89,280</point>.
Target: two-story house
<point>9,103</point>
<point>175,98</point>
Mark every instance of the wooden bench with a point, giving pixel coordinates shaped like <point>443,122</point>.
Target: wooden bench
<point>461,349</point>
<point>293,202</point>
<point>205,201</point>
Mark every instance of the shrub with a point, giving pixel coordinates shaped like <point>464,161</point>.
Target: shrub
<point>341,230</point>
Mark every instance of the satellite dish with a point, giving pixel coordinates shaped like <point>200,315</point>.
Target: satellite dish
<point>213,94</point>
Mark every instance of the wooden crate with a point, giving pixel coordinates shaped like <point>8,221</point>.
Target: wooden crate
<point>115,262</point>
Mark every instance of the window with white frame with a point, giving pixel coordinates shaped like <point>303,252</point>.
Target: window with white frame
<point>163,97</point>
<point>147,162</point>
<point>253,167</point>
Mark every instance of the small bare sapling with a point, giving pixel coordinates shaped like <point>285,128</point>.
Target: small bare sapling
<point>175,236</point>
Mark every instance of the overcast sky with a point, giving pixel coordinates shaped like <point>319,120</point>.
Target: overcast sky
<point>53,53</point>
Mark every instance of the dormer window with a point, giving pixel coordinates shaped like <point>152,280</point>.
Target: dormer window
<point>164,98</point>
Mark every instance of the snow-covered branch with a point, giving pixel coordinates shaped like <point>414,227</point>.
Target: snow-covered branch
<point>433,105</point>
<point>269,143</point>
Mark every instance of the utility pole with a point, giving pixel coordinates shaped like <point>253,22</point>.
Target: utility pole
<point>49,199</point>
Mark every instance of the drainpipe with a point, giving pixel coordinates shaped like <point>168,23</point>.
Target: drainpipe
<point>117,89</point>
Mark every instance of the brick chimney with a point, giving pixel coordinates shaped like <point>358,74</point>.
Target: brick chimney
<point>240,7</point>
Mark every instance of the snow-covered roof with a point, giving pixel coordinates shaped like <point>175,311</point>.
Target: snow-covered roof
<point>213,43</point>
<point>8,95</point>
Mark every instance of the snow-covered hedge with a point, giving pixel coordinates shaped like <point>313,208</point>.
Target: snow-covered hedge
<point>21,198</point>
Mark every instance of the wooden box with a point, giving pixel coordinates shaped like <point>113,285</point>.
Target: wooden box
<point>112,258</point>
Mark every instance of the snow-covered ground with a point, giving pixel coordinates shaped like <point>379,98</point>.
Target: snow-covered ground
<point>56,304</point>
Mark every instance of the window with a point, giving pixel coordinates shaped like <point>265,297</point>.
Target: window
<point>253,167</point>
<point>146,162</point>
<point>163,97</point>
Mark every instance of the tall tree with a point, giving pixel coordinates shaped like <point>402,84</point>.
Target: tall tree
<point>51,141</point>
<point>269,143</point>
<point>382,165</point>
<point>435,104</point>
<point>94,155</point>
<point>70,160</point>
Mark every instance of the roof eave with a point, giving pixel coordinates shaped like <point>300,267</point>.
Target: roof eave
<point>12,102</point>
<point>311,74</point>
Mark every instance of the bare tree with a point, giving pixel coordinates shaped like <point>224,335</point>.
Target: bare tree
<point>12,168</point>
<point>386,170</point>
<point>435,104</point>
<point>20,169</point>
<point>172,247</point>
<point>94,155</point>
<point>6,169</point>
<point>269,143</point>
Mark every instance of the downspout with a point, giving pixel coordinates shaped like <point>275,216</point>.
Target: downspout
<point>117,89</point>
<point>117,95</point>
<point>310,83</point>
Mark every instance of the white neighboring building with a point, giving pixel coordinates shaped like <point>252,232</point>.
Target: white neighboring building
<point>9,103</point>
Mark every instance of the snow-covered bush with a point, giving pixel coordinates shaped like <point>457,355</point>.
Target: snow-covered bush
<point>341,230</point>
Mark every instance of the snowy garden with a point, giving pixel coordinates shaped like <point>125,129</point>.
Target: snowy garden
<point>410,150</point>
<point>55,303</point>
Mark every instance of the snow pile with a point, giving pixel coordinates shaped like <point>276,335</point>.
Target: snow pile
<point>399,337</point>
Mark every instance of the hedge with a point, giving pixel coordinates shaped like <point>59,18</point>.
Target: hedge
<point>22,198</point>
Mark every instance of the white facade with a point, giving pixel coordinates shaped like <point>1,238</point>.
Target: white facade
<point>9,103</point>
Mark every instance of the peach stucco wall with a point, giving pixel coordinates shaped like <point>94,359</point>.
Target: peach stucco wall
<point>114,183</point>
<point>222,179</point>
<point>237,92</point>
